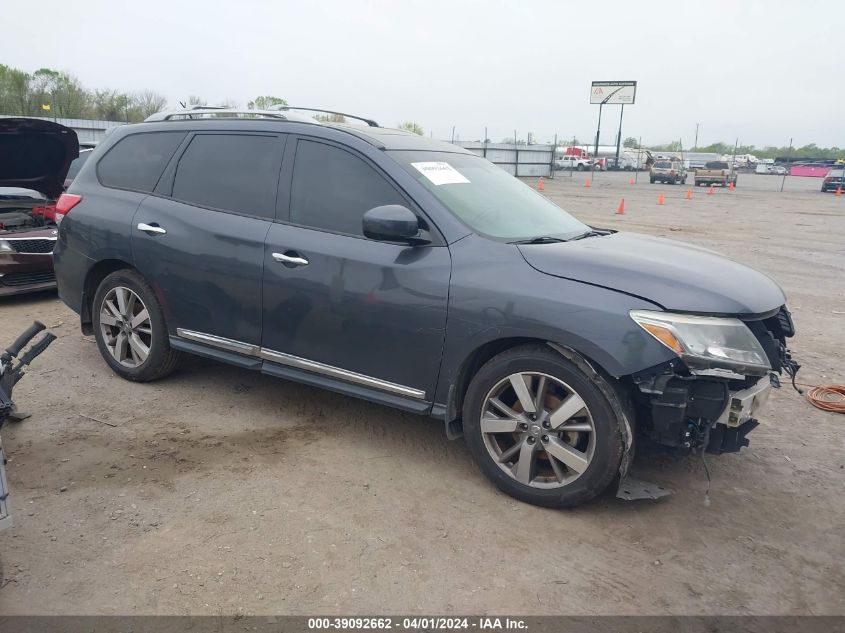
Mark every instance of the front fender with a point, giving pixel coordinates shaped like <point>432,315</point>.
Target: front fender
<point>494,295</point>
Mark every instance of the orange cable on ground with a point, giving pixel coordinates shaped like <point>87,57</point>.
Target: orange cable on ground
<point>826,397</point>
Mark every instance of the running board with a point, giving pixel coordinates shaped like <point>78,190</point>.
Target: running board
<point>252,356</point>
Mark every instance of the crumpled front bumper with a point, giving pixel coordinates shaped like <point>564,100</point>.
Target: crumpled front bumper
<point>742,405</point>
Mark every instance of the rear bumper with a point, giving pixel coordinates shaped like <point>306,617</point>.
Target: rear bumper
<point>72,268</point>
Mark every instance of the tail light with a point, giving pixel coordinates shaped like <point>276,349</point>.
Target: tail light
<point>65,203</point>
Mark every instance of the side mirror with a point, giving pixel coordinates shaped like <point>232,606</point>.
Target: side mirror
<point>393,223</point>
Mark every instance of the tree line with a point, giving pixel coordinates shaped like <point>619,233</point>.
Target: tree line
<point>48,92</point>
<point>770,151</point>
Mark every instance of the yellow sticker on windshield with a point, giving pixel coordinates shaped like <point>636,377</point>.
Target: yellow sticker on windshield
<point>440,173</point>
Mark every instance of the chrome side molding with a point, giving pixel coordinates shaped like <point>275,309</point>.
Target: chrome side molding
<point>218,341</point>
<point>281,358</point>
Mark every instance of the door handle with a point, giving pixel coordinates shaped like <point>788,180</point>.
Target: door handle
<point>151,228</point>
<point>294,259</point>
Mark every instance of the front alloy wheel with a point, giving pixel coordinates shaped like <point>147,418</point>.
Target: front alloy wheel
<point>538,430</point>
<point>545,427</point>
<point>126,327</point>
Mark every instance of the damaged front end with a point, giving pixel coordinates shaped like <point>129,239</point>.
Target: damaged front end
<point>709,397</point>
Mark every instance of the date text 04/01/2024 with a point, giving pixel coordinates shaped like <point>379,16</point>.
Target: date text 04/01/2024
<point>417,623</point>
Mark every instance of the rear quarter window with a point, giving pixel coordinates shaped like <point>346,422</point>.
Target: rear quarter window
<point>137,161</point>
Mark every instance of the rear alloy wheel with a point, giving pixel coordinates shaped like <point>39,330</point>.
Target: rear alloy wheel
<point>125,327</point>
<point>129,328</point>
<point>541,428</point>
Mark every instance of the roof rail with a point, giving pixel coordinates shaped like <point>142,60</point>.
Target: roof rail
<point>202,112</point>
<point>281,107</point>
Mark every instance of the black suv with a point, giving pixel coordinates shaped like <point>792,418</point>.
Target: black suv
<point>413,273</point>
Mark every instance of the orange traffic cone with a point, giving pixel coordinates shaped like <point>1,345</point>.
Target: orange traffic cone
<point>661,199</point>
<point>587,184</point>
<point>540,184</point>
<point>839,191</point>
<point>711,191</point>
<point>689,194</point>
<point>631,182</point>
<point>732,186</point>
<point>621,209</point>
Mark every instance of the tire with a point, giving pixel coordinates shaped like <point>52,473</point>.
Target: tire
<point>592,451</point>
<point>130,338</point>
<point>674,181</point>
<point>580,168</point>
<point>651,180</point>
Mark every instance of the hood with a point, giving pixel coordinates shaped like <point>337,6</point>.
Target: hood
<point>36,154</point>
<point>676,276</point>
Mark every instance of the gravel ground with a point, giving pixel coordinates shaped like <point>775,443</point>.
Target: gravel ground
<point>219,491</point>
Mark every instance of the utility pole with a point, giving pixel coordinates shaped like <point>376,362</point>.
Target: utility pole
<point>598,132</point>
<point>695,145</point>
<point>788,163</point>
<point>619,136</point>
<point>733,160</point>
<point>639,159</point>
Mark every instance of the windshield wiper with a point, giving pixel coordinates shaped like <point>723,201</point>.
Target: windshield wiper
<point>590,233</point>
<point>538,240</point>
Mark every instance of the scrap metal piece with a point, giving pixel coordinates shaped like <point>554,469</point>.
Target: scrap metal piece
<point>633,489</point>
<point>5,512</point>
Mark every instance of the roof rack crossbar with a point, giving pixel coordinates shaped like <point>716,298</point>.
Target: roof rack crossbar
<point>369,122</point>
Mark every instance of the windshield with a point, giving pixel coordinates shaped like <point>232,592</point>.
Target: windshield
<point>488,199</point>
<point>663,164</point>
<point>716,165</point>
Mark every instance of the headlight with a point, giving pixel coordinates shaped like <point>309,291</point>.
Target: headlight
<point>706,342</point>
<point>5,247</point>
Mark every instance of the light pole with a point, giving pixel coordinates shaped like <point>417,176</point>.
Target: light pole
<point>695,145</point>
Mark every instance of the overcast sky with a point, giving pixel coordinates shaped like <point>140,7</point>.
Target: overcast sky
<point>760,71</point>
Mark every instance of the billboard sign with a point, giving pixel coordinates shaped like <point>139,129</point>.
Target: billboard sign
<point>613,92</point>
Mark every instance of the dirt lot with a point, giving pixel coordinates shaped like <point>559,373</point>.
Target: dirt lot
<point>222,491</point>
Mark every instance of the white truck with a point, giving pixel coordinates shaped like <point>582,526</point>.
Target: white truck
<point>575,163</point>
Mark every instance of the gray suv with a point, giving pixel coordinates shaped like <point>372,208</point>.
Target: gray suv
<point>415,274</point>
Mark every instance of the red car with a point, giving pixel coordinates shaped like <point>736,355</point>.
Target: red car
<point>35,157</point>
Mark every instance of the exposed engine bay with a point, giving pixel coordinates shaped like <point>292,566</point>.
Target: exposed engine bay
<point>690,410</point>
<point>26,214</point>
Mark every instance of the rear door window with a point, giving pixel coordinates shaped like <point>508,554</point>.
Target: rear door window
<point>231,172</point>
<point>332,189</point>
<point>137,161</point>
